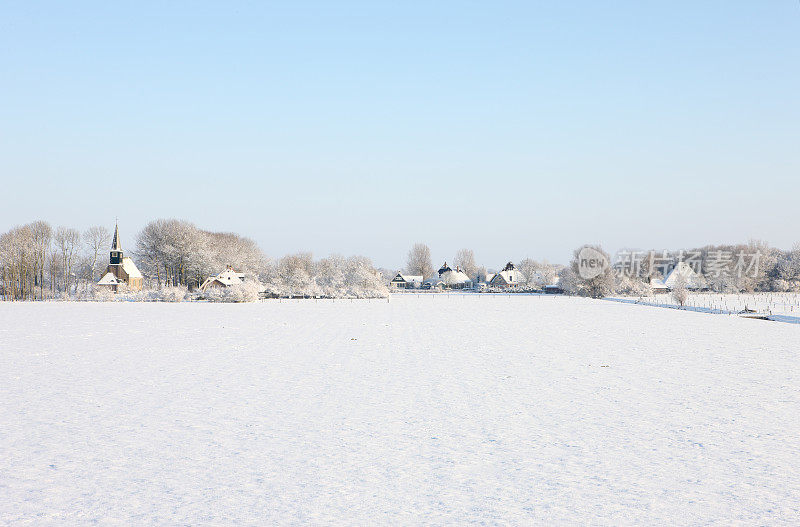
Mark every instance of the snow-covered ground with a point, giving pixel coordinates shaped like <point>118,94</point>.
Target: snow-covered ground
<point>446,409</point>
<point>780,306</point>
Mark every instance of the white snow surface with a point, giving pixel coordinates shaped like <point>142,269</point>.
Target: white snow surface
<point>438,409</point>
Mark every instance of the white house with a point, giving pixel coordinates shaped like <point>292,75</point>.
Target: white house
<point>456,279</point>
<point>508,277</point>
<point>226,278</point>
<point>693,280</point>
<point>406,281</point>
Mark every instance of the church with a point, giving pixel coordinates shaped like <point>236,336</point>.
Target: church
<point>121,270</point>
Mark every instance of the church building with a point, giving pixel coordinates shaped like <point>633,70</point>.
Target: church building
<point>121,269</point>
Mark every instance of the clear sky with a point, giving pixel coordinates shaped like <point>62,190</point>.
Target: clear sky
<point>517,129</point>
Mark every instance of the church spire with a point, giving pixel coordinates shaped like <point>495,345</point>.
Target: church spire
<point>116,245</point>
<point>115,258</point>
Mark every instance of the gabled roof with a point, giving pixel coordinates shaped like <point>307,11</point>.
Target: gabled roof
<point>685,270</point>
<point>109,279</point>
<point>130,268</point>
<point>455,277</point>
<point>509,277</point>
<point>408,277</point>
<point>230,277</point>
<point>227,278</point>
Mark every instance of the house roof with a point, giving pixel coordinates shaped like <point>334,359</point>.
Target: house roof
<point>108,279</point>
<point>685,270</point>
<point>508,276</point>
<point>408,277</point>
<point>130,268</point>
<point>455,277</point>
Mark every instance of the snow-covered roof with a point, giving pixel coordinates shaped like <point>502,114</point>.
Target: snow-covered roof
<point>228,277</point>
<point>130,268</point>
<point>409,277</point>
<point>508,276</point>
<point>685,270</point>
<point>108,279</point>
<point>455,277</point>
<point>658,284</point>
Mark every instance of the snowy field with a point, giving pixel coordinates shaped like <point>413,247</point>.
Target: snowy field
<point>440,410</point>
<point>781,306</point>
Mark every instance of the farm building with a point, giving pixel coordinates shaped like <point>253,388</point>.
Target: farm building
<point>508,277</point>
<point>406,281</point>
<point>693,280</point>
<point>456,279</point>
<point>226,278</point>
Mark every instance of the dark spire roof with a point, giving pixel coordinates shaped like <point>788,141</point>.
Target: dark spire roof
<point>116,245</point>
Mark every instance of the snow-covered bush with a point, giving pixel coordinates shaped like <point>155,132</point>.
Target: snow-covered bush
<point>632,286</point>
<point>245,292</point>
<point>169,294</point>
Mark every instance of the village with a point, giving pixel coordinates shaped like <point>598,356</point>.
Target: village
<point>174,260</point>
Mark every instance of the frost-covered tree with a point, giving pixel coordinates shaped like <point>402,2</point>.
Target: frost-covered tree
<point>568,280</point>
<point>537,274</point>
<point>67,243</point>
<point>294,275</point>
<point>176,252</point>
<point>419,261</point>
<point>95,241</point>
<point>41,238</point>
<point>465,260</point>
<point>599,285</point>
<point>680,291</point>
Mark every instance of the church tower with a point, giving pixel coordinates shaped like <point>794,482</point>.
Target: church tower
<point>121,271</point>
<point>116,248</point>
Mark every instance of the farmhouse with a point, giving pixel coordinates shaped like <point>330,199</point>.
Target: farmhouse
<point>406,281</point>
<point>456,279</point>
<point>226,278</point>
<point>121,270</point>
<point>693,280</point>
<point>508,277</point>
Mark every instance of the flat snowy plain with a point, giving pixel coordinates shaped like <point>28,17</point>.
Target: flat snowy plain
<point>424,410</point>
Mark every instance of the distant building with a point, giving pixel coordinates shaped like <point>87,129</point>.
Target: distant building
<point>121,270</point>
<point>693,280</point>
<point>456,279</point>
<point>508,277</point>
<point>444,269</point>
<point>226,278</point>
<point>406,281</point>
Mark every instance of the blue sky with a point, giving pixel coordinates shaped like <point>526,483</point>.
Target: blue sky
<point>516,129</point>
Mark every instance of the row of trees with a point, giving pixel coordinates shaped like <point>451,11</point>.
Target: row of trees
<point>178,253</point>
<point>38,261</point>
<point>741,268</point>
<point>332,277</point>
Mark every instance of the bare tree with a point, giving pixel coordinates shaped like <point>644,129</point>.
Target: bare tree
<point>95,239</point>
<point>41,238</point>
<point>598,283</point>
<point>419,261</point>
<point>465,260</point>
<point>67,242</point>
<point>680,291</point>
